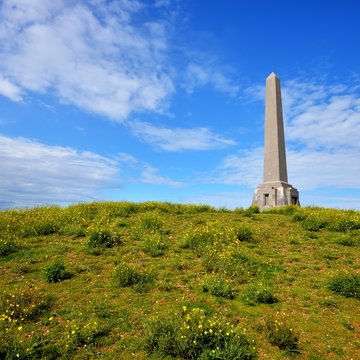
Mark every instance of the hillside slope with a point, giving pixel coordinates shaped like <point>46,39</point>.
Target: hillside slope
<point>159,280</point>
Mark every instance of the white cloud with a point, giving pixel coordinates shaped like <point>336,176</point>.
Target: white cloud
<point>150,175</point>
<point>162,3</point>
<point>240,169</point>
<point>307,169</point>
<point>33,173</point>
<point>127,159</point>
<point>143,172</point>
<point>10,90</point>
<point>91,55</point>
<point>202,75</point>
<point>320,115</point>
<point>179,139</point>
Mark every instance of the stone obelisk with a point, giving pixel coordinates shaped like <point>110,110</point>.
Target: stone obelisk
<point>275,189</point>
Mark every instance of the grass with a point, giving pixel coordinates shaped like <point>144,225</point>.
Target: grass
<point>56,272</point>
<point>161,281</point>
<point>219,286</point>
<point>126,276</point>
<point>346,284</point>
<point>192,334</point>
<point>259,294</point>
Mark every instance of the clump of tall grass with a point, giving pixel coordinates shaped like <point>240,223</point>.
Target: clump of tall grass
<point>244,233</point>
<point>347,285</point>
<point>314,218</point>
<point>150,222</point>
<point>154,245</point>
<point>72,229</point>
<point>219,286</point>
<point>8,245</point>
<point>282,210</point>
<point>347,240</point>
<point>194,335</point>
<point>56,272</point>
<point>282,335</point>
<point>259,294</point>
<point>125,276</point>
<point>251,210</point>
<point>102,238</point>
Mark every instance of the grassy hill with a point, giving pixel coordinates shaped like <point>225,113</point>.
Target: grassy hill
<point>162,281</point>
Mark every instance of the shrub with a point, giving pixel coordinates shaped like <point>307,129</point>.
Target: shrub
<point>252,209</point>
<point>283,210</point>
<point>244,233</point>
<point>345,223</point>
<point>8,246</point>
<point>162,337</point>
<point>258,294</point>
<point>313,224</point>
<point>196,240</point>
<point>196,208</point>
<point>299,215</point>
<point>346,240</point>
<point>281,335</point>
<point>346,285</point>
<point>129,277</point>
<point>219,286</point>
<point>201,237</point>
<point>154,245</point>
<point>103,238</point>
<point>239,210</point>
<point>76,231</point>
<point>46,228</point>
<point>147,223</point>
<point>314,218</point>
<point>151,221</point>
<point>56,272</point>
<point>232,263</point>
<point>194,335</point>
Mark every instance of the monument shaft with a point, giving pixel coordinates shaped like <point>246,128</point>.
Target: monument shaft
<point>275,189</point>
<point>274,149</point>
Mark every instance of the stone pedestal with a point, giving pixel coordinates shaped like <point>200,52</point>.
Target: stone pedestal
<point>277,193</point>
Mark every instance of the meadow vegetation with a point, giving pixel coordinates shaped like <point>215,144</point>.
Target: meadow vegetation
<point>169,281</point>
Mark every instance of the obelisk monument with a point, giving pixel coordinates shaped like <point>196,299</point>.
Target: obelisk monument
<point>275,189</point>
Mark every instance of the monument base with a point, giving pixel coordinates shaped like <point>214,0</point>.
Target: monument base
<point>277,193</point>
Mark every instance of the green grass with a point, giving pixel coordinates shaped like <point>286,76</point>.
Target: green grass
<point>165,281</point>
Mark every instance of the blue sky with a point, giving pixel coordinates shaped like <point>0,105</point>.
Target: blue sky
<point>164,100</point>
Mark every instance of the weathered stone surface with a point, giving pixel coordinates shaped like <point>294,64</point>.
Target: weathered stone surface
<point>275,189</point>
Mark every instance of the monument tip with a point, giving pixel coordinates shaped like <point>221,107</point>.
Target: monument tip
<point>272,75</point>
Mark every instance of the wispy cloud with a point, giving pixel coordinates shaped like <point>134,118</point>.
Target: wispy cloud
<point>33,173</point>
<point>199,75</point>
<point>179,139</point>
<point>320,115</point>
<point>241,169</point>
<point>308,169</point>
<point>91,54</point>
<point>145,173</point>
<point>10,90</point>
<point>150,175</point>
